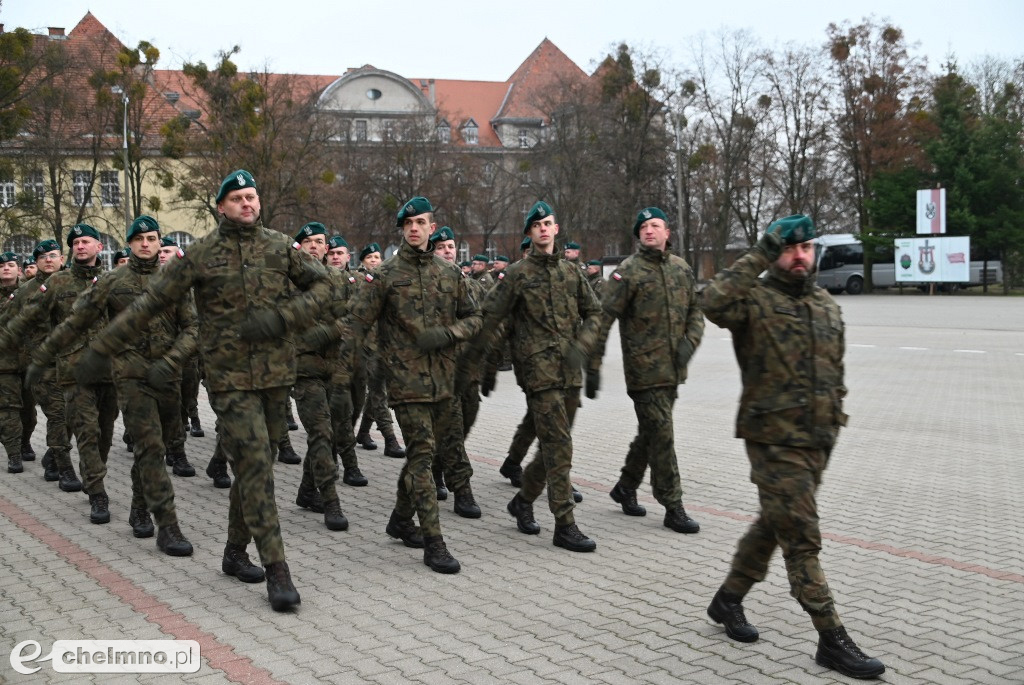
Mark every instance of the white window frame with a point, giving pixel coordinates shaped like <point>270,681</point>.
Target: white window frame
<point>463,251</point>
<point>110,189</point>
<point>360,130</point>
<point>8,192</point>
<point>34,183</point>
<point>81,182</point>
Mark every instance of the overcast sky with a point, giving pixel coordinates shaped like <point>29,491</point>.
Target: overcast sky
<point>487,41</point>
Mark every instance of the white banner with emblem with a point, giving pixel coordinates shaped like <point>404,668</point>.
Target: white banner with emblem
<point>939,260</point>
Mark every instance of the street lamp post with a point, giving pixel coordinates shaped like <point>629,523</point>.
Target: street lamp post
<point>118,90</point>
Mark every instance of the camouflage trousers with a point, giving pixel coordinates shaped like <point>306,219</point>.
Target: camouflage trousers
<point>28,413</point>
<point>342,399</point>
<point>10,413</point>
<point>421,423</point>
<point>51,398</point>
<point>470,407</point>
<point>190,389</point>
<point>247,423</point>
<point>787,479</point>
<point>357,383</point>
<point>149,416</point>
<point>654,445</point>
<point>312,399</point>
<point>553,412</point>
<point>92,410</point>
<point>451,455</point>
<point>376,409</point>
<point>526,434</point>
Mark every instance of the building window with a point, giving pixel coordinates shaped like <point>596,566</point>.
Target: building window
<point>463,251</point>
<point>389,130</point>
<point>33,183</point>
<point>360,130</point>
<point>444,132</point>
<point>492,250</point>
<point>611,248</point>
<point>469,133</point>
<point>110,246</point>
<point>524,138</point>
<point>182,238</point>
<point>110,188</point>
<point>21,245</point>
<point>7,193</point>
<point>81,188</point>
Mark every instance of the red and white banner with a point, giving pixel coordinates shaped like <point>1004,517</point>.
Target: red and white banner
<point>931,211</point>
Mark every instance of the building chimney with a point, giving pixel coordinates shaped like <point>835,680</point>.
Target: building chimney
<point>433,100</point>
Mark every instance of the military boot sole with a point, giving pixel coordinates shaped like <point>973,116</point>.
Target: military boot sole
<point>197,433</point>
<point>100,518</point>
<point>587,546</point>
<point>873,668</point>
<point>183,472</point>
<point>395,453</point>
<point>354,481</point>
<point>467,512</point>
<point>176,549</point>
<point>446,566</point>
<point>283,600</point>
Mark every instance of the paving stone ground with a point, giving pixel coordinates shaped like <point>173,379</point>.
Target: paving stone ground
<point>920,508</point>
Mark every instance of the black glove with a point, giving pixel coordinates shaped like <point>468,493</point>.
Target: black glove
<point>317,337</point>
<point>593,384</point>
<point>92,367</point>
<point>575,355</point>
<point>683,353</point>
<point>434,338</point>
<point>488,383</point>
<point>265,324</point>
<point>771,244</point>
<point>34,374</point>
<point>161,375</point>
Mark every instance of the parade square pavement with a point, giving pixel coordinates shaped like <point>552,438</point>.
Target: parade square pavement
<point>921,510</point>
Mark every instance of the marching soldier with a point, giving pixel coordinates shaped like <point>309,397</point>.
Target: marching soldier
<point>595,277</point>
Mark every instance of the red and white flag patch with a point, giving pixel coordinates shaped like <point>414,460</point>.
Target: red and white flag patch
<point>616,275</point>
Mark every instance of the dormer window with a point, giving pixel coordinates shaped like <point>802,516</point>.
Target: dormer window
<point>470,133</point>
<point>444,132</point>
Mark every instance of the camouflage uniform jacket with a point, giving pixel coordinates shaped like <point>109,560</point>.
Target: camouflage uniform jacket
<point>484,278</point>
<point>170,335</point>
<point>233,272</point>
<point>653,294</point>
<point>14,304</point>
<point>789,343</point>
<point>597,283</point>
<point>50,305</point>
<point>334,360</point>
<point>548,306</point>
<point>408,293</point>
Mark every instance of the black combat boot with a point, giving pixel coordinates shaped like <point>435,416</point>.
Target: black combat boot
<point>392,448</point>
<point>99,505</point>
<point>837,650</point>
<point>286,453</point>
<point>437,556</point>
<point>141,523</point>
<point>171,542</point>
<point>363,438</point>
<point>50,470</point>
<point>292,425</point>
<point>465,504</point>
<point>577,496</point>
<point>522,511</point>
<point>442,490</point>
<point>354,477</point>
<point>218,471</point>
<point>570,537</point>
<point>727,609</point>
<point>280,590</point>
<point>68,479</point>
<point>512,471</point>
<point>27,453</point>
<point>308,497</point>
<point>236,563</point>
<point>627,498</point>
<point>677,519</point>
<point>196,431</point>
<point>14,464</point>
<point>334,519</point>
<point>180,465</point>
<point>405,530</point>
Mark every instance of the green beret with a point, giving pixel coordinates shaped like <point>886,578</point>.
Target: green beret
<point>481,258</point>
<point>525,245</point>
<point>167,241</point>
<point>44,247</point>
<point>645,214</point>
<point>414,207</point>
<point>502,258</point>
<point>368,250</point>
<point>538,211</point>
<point>82,231</point>
<point>144,224</point>
<point>794,229</point>
<point>123,253</point>
<point>335,242</point>
<point>465,263</point>
<point>8,257</point>
<point>30,259</point>
<point>572,246</point>
<point>443,233</point>
<point>595,262</point>
<point>234,181</point>
<point>310,229</point>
